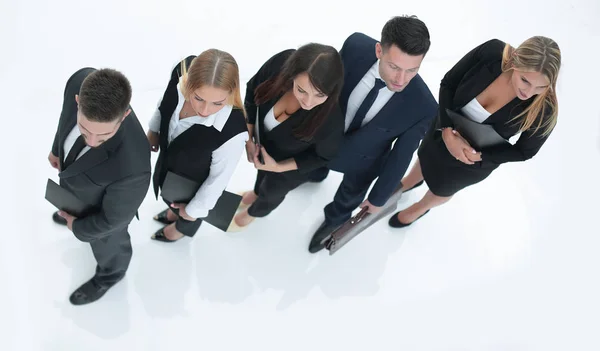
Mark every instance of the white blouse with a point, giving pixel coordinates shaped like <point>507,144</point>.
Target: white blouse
<point>270,121</point>
<point>474,111</point>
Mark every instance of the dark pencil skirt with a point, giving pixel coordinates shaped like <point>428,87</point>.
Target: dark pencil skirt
<point>444,174</point>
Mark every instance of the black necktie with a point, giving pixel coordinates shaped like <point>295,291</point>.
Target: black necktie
<point>365,106</point>
<point>75,150</point>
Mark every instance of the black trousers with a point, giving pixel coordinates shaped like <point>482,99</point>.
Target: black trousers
<point>113,254</point>
<point>272,188</point>
<point>185,227</point>
<point>350,194</point>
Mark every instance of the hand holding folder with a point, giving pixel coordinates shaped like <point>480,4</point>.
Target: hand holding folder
<point>257,143</point>
<point>478,135</point>
<point>65,200</point>
<point>178,189</point>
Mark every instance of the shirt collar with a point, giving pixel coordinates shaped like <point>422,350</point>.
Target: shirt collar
<point>216,120</point>
<point>375,72</point>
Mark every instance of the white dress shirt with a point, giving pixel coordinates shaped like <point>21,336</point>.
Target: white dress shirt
<point>70,141</point>
<point>224,159</point>
<point>361,91</point>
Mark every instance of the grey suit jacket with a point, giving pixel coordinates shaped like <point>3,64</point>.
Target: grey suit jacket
<point>112,178</point>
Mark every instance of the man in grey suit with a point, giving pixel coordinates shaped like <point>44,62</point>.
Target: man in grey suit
<point>103,158</point>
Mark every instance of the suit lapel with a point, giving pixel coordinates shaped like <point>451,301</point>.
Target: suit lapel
<point>91,158</point>
<point>486,76</point>
<point>283,128</point>
<point>512,108</point>
<point>70,122</point>
<point>353,78</point>
<point>391,108</point>
<point>97,155</point>
<point>490,75</point>
<point>286,127</point>
<point>356,66</point>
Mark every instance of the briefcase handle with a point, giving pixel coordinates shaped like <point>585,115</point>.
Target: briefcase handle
<point>359,216</point>
<point>331,239</point>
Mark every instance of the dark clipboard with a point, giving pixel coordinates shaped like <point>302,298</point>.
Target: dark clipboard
<point>65,200</point>
<point>478,135</point>
<point>180,189</point>
<point>257,138</point>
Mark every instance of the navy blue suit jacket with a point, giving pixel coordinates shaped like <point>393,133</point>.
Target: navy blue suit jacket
<point>403,120</point>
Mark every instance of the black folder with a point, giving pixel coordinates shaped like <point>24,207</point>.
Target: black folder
<point>478,135</point>
<point>65,200</point>
<point>177,188</point>
<point>180,189</point>
<point>257,143</point>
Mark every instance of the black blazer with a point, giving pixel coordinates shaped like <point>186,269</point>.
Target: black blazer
<point>280,142</point>
<point>469,77</point>
<point>403,120</point>
<point>113,178</point>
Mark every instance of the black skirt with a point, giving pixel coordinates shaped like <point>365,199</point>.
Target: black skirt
<point>444,174</point>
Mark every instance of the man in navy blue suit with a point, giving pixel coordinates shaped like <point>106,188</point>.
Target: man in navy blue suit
<point>381,109</point>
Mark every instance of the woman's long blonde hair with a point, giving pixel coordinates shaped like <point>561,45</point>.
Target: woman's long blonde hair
<point>213,68</point>
<point>537,54</point>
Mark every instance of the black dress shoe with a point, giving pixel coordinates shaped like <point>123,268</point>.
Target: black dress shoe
<point>316,179</point>
<point>317,243</point>
<point>88,293</point>
<point>318,175</point>
<point>58,219</point>
<point>415,186</point>
<point>395,223</point>
<point>162,217</point>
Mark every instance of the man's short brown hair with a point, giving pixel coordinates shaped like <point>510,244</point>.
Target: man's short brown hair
<point>104,95</point>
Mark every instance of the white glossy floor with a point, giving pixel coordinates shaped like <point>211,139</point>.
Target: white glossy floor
<point>509,264</point>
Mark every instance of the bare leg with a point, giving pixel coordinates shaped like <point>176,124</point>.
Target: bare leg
<point>171,232</point>
<point>415,211</point>
<point>249,197</point>
<point>171,216</point>
<point>243,218</point>
<point>414,176</point>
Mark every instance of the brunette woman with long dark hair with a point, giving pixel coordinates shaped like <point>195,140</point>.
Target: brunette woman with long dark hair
<point>293,98</point>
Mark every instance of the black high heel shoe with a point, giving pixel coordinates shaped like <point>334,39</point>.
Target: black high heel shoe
<point>162,217</point>
<point>394,222</point>
<point>160,236</point>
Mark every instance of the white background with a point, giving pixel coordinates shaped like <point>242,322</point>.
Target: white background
<point>509,264</point>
